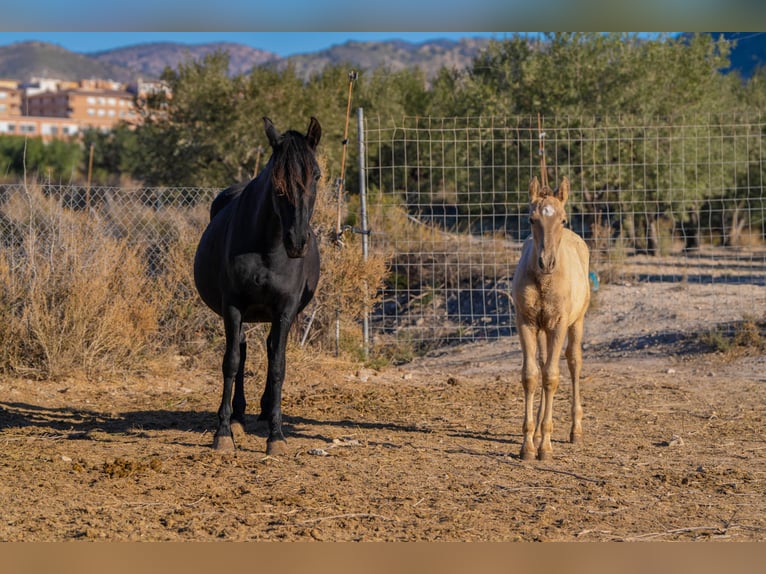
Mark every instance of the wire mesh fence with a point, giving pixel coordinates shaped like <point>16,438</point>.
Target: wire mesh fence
<point>678,199</point>
<point>154,217</point>
<point>663,200</point>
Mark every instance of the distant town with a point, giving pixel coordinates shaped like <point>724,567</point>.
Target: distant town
<point>58,109</point>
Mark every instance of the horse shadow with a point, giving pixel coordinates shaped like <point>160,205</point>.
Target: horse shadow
<point>76,423</point>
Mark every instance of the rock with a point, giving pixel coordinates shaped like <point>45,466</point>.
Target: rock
<point>676,440</point>
<point>319,452</point>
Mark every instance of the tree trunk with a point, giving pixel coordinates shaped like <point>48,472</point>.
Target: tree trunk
<point>628,231</point>
<point>652,235</point>
<point>691,231</point>
<point>734,234</point>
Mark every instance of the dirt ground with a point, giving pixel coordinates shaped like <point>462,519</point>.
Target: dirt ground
<point>674,444</point>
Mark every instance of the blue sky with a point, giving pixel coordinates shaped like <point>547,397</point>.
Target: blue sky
<point>281,43</point>
<point>324,16</point>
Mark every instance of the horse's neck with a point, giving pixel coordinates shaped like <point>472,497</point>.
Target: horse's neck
<point>256,217</point>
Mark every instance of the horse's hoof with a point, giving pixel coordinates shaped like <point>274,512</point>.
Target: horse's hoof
<point>527,455</point>
<point>544,455</point>
<point>276,447</point>
<point>223,444</point>
<point>575,438</point>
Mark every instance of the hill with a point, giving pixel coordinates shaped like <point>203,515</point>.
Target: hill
<point>151,59</point>
<point>394,55</point>
<point>28,59</point>
<point>25,60</point>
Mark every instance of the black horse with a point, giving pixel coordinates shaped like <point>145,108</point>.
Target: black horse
<point>258,261</point>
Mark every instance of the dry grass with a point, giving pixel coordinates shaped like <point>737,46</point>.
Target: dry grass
<point>73,297</point>
<point>110,290</point>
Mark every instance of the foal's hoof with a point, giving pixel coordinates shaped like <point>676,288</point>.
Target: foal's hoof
<point>575,438</point>
<point>223,444</point>
<point>527,455</point>
<point>276,447</point>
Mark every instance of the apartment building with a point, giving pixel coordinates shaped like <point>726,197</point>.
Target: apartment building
<point>10,98</point>
<point>102,107</point>
<point>54,109</point>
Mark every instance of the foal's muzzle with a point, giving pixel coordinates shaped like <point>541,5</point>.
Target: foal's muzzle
<point>546,266</point>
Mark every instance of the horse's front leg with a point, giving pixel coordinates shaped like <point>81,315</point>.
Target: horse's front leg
<point>271,401</point>
<point>542,354</point>
<point>574,362</point>
<point>551,377</point>
<point>232,323</point>
<point>529,375</point>
<point>240,404</point>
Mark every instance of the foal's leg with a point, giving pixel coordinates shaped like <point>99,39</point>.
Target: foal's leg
<point>542,351</point>
<point>550,384</point>
<point>232,323</point>
<point>574,362</point>
<point>238,415</point>
<point>529,374</point>
<point>271,401</point>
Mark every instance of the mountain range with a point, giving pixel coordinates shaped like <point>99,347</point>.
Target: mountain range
<point>24,60</point>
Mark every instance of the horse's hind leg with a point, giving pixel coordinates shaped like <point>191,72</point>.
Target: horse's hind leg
<point>232,322</point>
<point>574,362</point>
<point>238,414</point>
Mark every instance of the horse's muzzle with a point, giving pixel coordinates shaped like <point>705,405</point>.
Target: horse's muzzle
<point>297,251</point>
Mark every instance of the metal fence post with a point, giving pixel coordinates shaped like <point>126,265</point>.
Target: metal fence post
<point>363,215</point>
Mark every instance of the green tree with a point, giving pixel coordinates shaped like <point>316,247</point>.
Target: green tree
<point>56,161</point>
<point>621,115</point>
<point>191,138</point>
<point>114,154</point>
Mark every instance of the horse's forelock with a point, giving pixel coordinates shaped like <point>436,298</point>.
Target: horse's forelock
<point>293,165</point>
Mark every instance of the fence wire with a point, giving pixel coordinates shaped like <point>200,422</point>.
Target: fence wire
<point>664,200</point>
<point>657,200</point>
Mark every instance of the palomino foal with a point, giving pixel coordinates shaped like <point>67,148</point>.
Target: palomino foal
<point>550,295</point>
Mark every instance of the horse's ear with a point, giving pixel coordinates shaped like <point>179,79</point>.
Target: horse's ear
<point>534,189</point>
<point>271,132</point>
<point>562,193</point>
<point>314,133</point>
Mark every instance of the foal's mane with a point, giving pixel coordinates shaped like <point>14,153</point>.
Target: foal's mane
<point>292,165</point>
<point>545,191</point>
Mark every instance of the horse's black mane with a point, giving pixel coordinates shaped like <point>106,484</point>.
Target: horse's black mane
<point>291,164</point>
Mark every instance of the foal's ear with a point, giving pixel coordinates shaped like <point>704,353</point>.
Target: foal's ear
<point>534,189</point>
<point>314,133</point>
<point>271,132</point>
<point>562,193</point>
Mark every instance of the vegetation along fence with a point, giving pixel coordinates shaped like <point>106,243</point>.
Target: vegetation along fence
<point>659,200</point>
<point>671,199</point>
